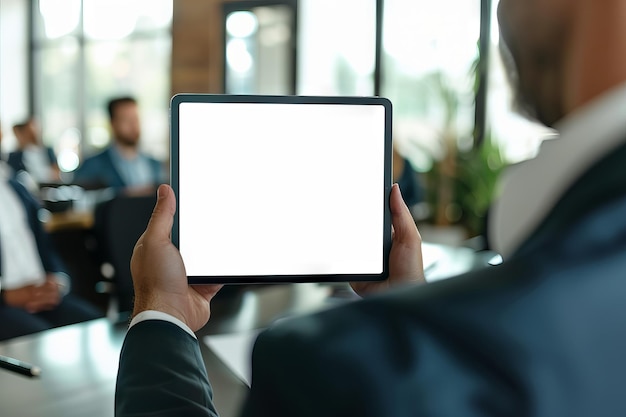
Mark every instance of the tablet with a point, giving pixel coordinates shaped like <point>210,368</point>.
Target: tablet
<point>281,188</point>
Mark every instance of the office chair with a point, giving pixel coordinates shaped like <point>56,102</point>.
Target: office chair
<point>118,224</point>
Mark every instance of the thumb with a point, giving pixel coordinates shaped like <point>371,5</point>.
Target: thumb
<point>162,219</point>
<point>405,230</point>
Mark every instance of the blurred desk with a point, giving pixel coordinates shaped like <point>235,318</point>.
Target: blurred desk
<point>79,367</point>
<point>69,220</point>
<point>72,206</point>
<point>79,362</point>
<point>456,260</point>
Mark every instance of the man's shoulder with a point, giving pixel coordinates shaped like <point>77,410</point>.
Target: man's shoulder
<point>393,316</point>
<point>95,164</point>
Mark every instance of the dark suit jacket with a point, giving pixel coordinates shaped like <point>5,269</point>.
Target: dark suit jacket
<point>49,257</point>
<point>16,159</point>
<point>100,171</point>
<point>543,334</point>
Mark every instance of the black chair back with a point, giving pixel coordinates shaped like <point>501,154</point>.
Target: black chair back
<point>118,225</point>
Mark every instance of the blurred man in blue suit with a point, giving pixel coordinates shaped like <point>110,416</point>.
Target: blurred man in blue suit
<point>122,166</point>
<point>540,335</point>
<point>32,157</point>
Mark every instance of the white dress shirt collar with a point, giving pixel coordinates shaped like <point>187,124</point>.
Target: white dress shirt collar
<point>529,190</point>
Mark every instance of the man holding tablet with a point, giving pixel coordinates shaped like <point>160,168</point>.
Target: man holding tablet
<point>542,334</point>
<point>167,311</point>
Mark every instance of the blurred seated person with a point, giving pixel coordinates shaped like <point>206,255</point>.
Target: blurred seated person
<point>1,154</point>
<point>34,288</point>
<point>32,156</point>
<point>406,177</point>
<point>122,166</point>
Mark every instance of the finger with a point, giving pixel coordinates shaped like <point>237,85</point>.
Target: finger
<point>207,291</point>
<point>404,228</point>
<point>162,219</point>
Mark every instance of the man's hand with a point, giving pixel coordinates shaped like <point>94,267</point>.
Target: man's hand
<point>405,259</point>
<point>35,298</point>
<point>159,275</point>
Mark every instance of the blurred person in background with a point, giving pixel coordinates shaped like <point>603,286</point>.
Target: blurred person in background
<point>1,154</point>
<point>34,286</point>
<point>32,156</point>
<point>122,166</point>
<point>407,179</point>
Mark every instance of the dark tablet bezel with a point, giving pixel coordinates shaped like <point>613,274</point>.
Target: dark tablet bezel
<point>179,99</point>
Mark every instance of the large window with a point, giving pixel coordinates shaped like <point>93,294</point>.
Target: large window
<point>88,51</point>
<point>336,47</point>
<point>428,62</point>
<point>426,66</point>
<point>14,95</point>
<point>439,64</point>
<point>259,47</point>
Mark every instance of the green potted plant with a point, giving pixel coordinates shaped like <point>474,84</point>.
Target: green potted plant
<point>461,182</point>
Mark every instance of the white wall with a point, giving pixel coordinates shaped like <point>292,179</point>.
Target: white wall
<point>13,67</point>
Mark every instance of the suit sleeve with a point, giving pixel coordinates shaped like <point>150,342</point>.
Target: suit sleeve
<point>161,373</point>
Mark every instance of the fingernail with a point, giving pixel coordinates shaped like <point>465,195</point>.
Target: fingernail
<point>161,192</point>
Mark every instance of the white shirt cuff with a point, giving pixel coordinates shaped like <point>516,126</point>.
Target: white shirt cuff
<point>159,315</point>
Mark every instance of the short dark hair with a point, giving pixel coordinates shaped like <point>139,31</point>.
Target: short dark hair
<point>113,103</point>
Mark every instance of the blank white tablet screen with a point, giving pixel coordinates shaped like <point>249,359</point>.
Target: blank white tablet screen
<point>281,189</point>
